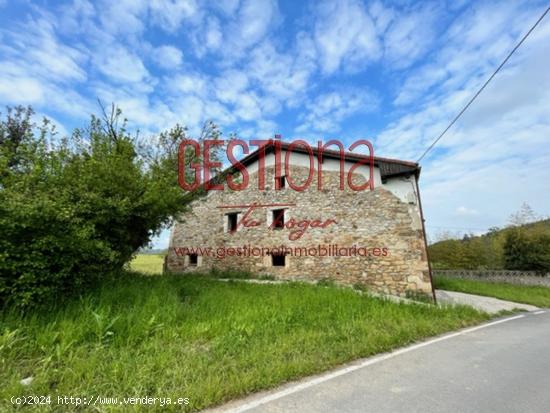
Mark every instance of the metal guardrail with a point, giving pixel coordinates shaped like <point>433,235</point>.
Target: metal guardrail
<point>491,273</point>
<point>508,276</point>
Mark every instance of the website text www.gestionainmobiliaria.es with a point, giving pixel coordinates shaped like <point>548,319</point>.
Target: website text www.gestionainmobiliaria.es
<point>319,250</point>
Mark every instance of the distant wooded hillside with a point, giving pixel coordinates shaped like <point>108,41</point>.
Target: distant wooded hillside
<point>520,247</point>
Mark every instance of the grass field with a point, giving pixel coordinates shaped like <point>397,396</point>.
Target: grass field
<point>527,294</point>
<point>200,338</point>
<point>147,263</point>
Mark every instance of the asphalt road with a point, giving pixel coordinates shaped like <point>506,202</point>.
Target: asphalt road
<point>503,367</point>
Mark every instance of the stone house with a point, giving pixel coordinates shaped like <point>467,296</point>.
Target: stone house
<point>371,237</point>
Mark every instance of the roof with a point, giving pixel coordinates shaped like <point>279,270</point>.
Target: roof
<point>388,167</point>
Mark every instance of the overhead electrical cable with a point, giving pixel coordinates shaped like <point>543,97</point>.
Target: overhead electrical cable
<point>484,85</point>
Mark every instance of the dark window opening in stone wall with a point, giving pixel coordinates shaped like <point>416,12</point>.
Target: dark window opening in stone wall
<point>281,182</point>
<point>193,259</point>
<point>232,220</point>
<point>278,260</point>
<point>278,218</point>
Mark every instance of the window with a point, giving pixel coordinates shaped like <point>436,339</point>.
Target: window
<point>232,220</point>
<point>193,259</point>
<point>281,182</point>
<point>278,260</point>
<point>278,219</point>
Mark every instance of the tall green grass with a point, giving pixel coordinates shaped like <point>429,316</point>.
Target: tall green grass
<point>147,263</point>
<point>527,294</point>
<point>196,337</point>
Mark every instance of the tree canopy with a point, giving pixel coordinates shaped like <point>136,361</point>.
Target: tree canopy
<point>523,245</point>
<point>74,209</point>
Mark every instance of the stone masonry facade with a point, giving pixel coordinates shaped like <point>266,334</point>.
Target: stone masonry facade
<point>378,220</point>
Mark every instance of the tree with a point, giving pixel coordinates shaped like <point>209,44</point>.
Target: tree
<point>444,235</point>
<point>14,132</point>
<point>74,210</point>
<point>527,252</point>
<point>524,216</point>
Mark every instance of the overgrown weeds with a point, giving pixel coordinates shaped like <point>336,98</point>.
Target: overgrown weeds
<point>194,336</point>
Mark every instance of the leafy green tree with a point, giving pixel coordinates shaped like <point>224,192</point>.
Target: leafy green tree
<point>523,245</point>
<point>73,210</point>
<point>540,253</point>
<point>529,252</point>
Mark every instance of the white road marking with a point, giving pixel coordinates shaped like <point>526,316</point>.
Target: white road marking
<point>373,360</point>
<point>539,312</point>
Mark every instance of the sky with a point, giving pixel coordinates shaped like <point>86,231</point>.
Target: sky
<point>395,73</point>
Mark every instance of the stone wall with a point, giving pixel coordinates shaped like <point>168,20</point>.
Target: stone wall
<point>370,219</point>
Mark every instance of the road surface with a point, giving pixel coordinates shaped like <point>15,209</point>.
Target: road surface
<point>500,367</point>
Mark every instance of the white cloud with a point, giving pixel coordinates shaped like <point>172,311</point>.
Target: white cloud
<point>495,155</point>
<point>191,110</point>
<point>409,37</point>
<point>252,71</point>
<point>281,76</point>
<point>76,16</point>
<point>39,69</point>
<point>473,44</point>
<point>121,65</point>
<point>230,84</point>
<point>20,89</point>
<point>190,83</point>
<point>345,36</point>
<point>19,86</point>
<point>207,37</point>
<point>261,129</point>
<point>99,50</point>
<point>147,113</point>
<point>326,112</point>
<point>247,107</point>
<point>213,38</point>
<point>266,129</point>
<point>123,16</point>
<point>38,51</point>
<point>253,20</point>
<point>227,7</point>
<point>351,36</point>
<point>60,61</point>
<point>219,113</point>
<point>169,14</point>
<point>381,15</point>
<point>168,57</point>
<point>462,210</point>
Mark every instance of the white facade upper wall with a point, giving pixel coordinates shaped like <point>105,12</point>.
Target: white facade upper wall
<point>402,187</point>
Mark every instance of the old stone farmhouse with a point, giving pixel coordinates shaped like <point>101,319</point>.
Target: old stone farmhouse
<point>371,237</point>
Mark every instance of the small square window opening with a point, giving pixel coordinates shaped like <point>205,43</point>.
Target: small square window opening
<point>278,260</point>
<point>232,220</point>
<point>278,218</point>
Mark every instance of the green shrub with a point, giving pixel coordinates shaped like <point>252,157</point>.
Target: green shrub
<point>419,296</point>
<point>527,251</point>
<point>326,282</point>
<point>229,273</point>
<point>75,209</point>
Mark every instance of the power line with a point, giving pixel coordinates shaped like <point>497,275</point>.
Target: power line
<point>484,85</point>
